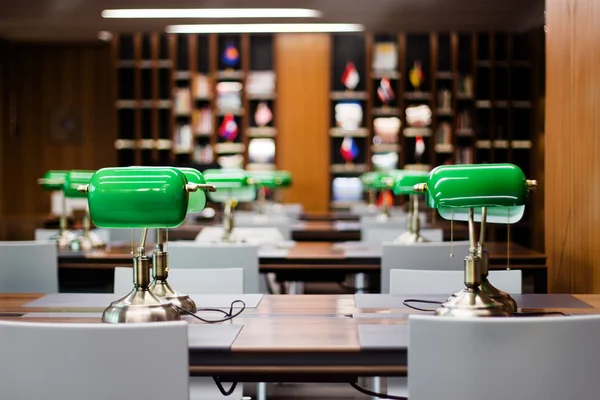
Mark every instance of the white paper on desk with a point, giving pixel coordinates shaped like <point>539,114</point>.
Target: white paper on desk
<point>346,225</point>
<point>260,236</point>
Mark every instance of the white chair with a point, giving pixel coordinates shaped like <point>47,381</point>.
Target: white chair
<point>194,255</point>
<point>428,256</point>
<point>379,235</point>
<point>124,235</point>
<point>364,210</point>
<point>372,229</point>
<point>97,361</point>
<point>28,267</point>
<point>47,234</point>
<point>414,281</point>
<point>190,281</point>
<point>531,358</point>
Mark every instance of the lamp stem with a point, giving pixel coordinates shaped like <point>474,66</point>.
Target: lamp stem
<point>86,223</point>
<point>472,262</point>
<point>63,215</point>
<point>141,265</point>
<point>416,223</point>
<point>481,252</point>
<point>160,269</point>
<point>228,219</point>
<point>372,197</point>
<point>262,195</point>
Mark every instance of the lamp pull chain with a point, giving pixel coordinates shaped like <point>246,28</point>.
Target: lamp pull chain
<point>166,250</point>
<point>508,240</point>
<point>131,240</point>
<point>451,233</point>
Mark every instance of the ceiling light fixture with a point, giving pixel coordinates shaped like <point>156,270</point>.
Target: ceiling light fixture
<point>212,13</point>
<point>264,28</point>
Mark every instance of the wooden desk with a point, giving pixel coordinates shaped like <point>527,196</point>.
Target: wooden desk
<point>323,230</point>
<point>315,261</point>
<point>290,338</point>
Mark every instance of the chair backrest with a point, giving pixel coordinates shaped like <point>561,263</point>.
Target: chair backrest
<point>255,235</point>
<point>124,235</point>
<point>363,210</point>
<point>47,234</point>
<point>28,267</point>
<point>190,281</point>
<point>415,281</point>
<point>373,228</point>
<point>254,220</point>
<point>380,235</point>
<point>194,255</point>
<point>534,358</point>
<point>428,256</point>
<point>97,361</point>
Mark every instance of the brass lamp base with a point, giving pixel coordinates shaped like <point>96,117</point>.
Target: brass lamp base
<point>163,290</point>
<point>140,305</point>
<point>410,237</point>
<point>470,303</point>
<point>498,295</point>
<point>64,240</point>
<point>87,241</point>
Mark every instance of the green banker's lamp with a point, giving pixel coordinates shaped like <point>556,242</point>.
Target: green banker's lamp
<point>365,180</point>
<point>54,181</point>
<point>160,258</point>
<point>139,197</point>
<point>404,184</point>
<point>382,181</point>
<point>233,186</point>
<point>485,193</point>
<point>87,240</point>
<point>269,180</point>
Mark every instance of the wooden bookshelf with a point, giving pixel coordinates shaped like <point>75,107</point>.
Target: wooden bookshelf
<point>478,86</point>
<point>166,105</point>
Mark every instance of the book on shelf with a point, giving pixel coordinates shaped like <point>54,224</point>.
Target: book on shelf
<point>182,137</point>
<point>183,101</point>
<point>464,155</point>
<point>463,121</point>
<point>202,121</point>
<point>444,134</point>
<point>465,88</point>
<point>203,154</point>
<point>202,86</point>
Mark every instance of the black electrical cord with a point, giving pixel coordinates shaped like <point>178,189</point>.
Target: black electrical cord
<point>375,394</point>
<point>222,389</point>
<point>405,303</point>
<point>536,313</point>
<point>228,315</point>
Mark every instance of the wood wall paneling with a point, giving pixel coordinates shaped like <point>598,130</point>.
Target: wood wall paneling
<point>303,73</point>
<point>47,79</point>
<point>572,194</point>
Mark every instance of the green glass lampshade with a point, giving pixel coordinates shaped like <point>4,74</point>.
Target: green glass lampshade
<point>379,180</point>
<point>271,179</point>
<point>197,199</point>
<point>405,181</point>
<point>138,197</point>
<point>234,184</point>
<point>73,180</point>
<point>501,188</point>
<point>53,180</point>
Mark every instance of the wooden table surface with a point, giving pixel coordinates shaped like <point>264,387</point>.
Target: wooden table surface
<point>308,261</point>
<point>286,338</point>
<point>303,252</point>
<point>322,230</point>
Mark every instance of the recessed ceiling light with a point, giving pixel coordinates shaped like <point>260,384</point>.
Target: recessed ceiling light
<point>264,28</point>
<point>212,13</point>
